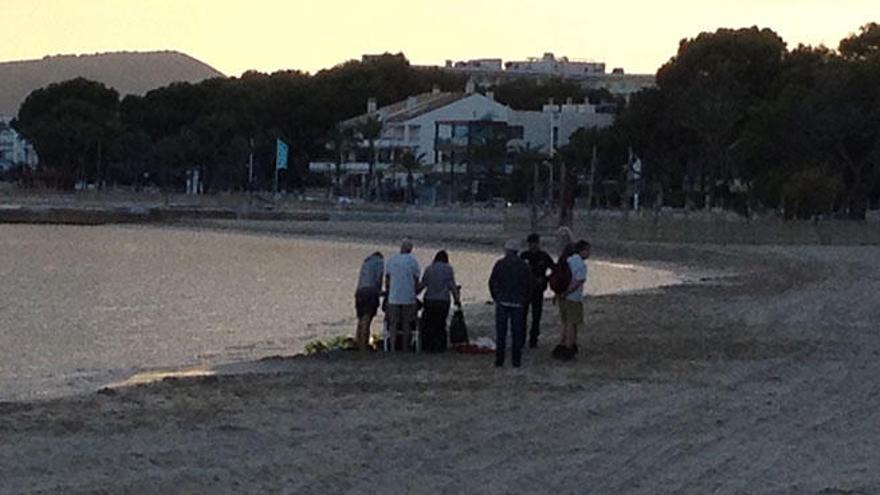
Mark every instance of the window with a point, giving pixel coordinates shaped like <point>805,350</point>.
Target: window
<point>444,131</point>
<point>516,132</point>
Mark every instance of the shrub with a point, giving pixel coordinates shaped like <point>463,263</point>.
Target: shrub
<point>332,344</point>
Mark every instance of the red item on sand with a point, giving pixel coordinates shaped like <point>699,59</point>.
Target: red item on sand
<point>473,349</point>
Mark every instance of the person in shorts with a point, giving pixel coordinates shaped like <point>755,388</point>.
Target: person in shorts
<point>366,297</point>
<point>571,304</point>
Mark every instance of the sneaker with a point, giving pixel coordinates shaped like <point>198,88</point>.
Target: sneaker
<point>558,351</point>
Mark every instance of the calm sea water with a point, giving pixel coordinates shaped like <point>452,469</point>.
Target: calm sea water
<point>83,306</point>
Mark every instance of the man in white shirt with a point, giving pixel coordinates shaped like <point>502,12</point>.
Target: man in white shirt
<point>571,306</point>
<point>401,281</point>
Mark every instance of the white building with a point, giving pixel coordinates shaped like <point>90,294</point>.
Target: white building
<point>621,84</point>
<point>489,72</point>
<point>549,65</point>
<point>479,64</point>
<point>552,127</point>
<point>434,126</point>
<point>14,150</point>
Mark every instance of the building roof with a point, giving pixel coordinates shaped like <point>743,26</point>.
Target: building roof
<point>410,108</point>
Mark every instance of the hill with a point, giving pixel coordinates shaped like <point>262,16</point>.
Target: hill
<point>127,72</point>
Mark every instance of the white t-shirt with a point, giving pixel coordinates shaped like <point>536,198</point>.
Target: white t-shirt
<point>403,271</point>
<point>578,272</point>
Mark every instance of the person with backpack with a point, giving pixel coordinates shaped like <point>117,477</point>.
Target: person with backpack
<point>366,297</point>
<point>438,282</point>
<point>571,297</point>
<point>511,286</point>
<point>540,263</point>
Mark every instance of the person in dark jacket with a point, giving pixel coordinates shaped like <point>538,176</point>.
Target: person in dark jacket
<point>511,286</point>
<point>540,263</point>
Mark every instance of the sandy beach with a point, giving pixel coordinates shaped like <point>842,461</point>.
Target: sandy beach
<point>759,382</point>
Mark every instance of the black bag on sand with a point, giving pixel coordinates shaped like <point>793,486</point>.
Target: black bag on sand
<point>458,329</point>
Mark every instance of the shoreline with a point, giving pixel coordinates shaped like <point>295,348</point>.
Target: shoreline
<point>477,311</point>
<point>701,228</point>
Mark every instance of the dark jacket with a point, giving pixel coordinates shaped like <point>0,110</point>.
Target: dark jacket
<point>540,263</point>
<point>511,281</point>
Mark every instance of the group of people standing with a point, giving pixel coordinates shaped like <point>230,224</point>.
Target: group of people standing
<point>403,282</point>
<point>517,284</point>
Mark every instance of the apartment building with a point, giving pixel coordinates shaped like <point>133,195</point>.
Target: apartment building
<point>14,150</point>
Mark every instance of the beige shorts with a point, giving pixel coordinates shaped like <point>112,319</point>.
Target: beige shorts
<point>571,312</point>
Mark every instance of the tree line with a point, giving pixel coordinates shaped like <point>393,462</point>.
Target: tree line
<point>736,120</point>
<point>83,132</point>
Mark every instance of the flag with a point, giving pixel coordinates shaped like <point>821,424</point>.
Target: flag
<point>280,155</point>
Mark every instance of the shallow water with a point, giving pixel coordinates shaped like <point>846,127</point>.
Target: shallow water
<point>84,306</point>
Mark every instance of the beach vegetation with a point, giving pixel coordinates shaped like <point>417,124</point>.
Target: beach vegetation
<point>320,346</point>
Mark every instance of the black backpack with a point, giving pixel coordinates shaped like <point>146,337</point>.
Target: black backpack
<point>458,329</point>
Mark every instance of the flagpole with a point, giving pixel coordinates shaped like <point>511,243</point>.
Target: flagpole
<point>280,161</point>
<point>250,184</point>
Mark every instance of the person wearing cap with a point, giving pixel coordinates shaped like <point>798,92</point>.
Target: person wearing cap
<point>401,281</point>
<point>511,286</point>
<point>540,264</point>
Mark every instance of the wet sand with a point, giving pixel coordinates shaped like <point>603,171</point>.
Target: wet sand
<point>83,306</point>
<point>762,382</point>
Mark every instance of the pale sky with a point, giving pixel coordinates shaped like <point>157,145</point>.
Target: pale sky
<point>269,35</point>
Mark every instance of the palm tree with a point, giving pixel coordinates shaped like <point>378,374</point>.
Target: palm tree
<point>340,141</point>
<point>410,161</point>
<point>529,159</point>
<point>370,130</point>
<point>491,155</point>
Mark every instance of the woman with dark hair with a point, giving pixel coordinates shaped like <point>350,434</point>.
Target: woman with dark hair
<point>438,282</point>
